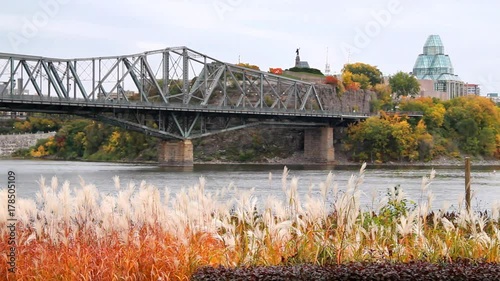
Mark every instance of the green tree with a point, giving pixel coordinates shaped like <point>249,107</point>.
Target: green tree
<point>473,123</point>
<point>369,140</point>
<point>425,142</point>
<point>384,98</point>
<point>404,84</point>
<point>433,111</point>
<point>386,138</point>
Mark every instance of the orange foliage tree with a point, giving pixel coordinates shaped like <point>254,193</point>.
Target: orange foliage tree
<point>277,71</point>
<point>331,80</point>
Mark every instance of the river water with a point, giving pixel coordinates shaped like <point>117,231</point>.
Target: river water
<point>447,187</point>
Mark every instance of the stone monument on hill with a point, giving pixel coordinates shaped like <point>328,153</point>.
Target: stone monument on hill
<point>298,62</point>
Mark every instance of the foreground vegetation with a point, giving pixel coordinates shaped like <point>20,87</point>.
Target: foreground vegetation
<point>144,233</point>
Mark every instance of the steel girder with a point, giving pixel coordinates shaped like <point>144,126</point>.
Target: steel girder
<point>181,125</point>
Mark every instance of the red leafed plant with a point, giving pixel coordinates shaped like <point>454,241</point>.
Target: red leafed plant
<point>331,80</point>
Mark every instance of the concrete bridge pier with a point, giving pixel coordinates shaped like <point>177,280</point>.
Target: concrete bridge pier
<point>318,145</point>
<point>176,153</point>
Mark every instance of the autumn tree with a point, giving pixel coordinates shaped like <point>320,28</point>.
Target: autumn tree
<point>331,80</point>
<point>425,142</point>
<point>369,139</point>
<point>349,83</point>
<point>433,111</point>
<point>247,65</point>
<point>37,124</point>
<point>277,71</point>
<point>366,75</point>
<point>404,84</point>
<point>384,138</point>
<point>384,98</point>
<point>473,122</point>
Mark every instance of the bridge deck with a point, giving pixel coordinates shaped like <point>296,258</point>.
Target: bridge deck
<point>33,103</point>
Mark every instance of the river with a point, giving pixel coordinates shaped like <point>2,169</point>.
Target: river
<point>448,186</point>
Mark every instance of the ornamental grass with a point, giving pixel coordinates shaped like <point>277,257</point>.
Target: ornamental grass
<point>144,233</point>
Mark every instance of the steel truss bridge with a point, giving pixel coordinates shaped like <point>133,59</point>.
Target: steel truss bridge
<point>174,93</point>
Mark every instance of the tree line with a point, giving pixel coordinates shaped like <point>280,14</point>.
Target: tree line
<point>78,138</point>
<point>466,125</point>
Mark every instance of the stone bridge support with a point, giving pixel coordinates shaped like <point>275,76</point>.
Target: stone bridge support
<point>318,145</point>
<point>176,153</point>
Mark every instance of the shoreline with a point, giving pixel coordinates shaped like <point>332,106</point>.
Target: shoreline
<point>300,161</point>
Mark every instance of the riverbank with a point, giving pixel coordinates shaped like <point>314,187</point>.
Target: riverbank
<point>341,160</point>
<point>299,159</point>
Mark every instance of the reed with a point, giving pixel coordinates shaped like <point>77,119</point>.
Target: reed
<point>144,233</point>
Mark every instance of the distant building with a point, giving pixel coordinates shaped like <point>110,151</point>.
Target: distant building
<point>435,72</point>
<point>472,89</point>
<point>117,96</point>
<point>494,97</point>
<point>5,88</point>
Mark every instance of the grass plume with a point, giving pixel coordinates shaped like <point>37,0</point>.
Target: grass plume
<point>144,233</point>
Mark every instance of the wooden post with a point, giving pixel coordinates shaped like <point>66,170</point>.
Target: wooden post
<point>467,183</point>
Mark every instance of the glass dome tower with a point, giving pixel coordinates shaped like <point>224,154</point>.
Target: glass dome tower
<point>435,65</point>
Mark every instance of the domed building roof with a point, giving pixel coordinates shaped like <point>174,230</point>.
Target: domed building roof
<point>434,64</point>
<point>434,45</point>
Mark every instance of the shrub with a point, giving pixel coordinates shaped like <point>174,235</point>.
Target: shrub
<point>331,80</point>
<point>307,70</point>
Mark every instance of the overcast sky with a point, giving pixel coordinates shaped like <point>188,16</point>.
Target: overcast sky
<point>387,33</point>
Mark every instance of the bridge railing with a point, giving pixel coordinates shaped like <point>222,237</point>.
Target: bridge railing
<point>180,107</point>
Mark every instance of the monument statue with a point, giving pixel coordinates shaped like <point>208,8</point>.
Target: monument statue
<point>298,62</point>
<point>297,58</point>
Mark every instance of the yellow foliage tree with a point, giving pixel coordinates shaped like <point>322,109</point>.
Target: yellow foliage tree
<point>113,142</point>
<point>247,65</point>
<point>39,152</point>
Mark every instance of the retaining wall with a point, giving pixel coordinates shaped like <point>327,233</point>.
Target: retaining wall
<point>11,143</point>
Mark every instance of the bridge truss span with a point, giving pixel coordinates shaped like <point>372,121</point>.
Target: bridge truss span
<point>172,75</point>
<point>173,93</point>
<point>173,121</point>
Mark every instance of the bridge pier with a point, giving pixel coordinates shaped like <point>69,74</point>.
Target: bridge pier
<point>318,145</point>
<point>176,153</point>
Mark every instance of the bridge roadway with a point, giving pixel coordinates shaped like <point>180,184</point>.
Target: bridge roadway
<point>30,103</point>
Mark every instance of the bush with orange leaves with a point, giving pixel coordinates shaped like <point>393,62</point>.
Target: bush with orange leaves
<point>277,71</point>
<point>331,80</point>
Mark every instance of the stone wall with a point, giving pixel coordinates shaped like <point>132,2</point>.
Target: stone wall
<point>347,102</point>
<point>10,143</point>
